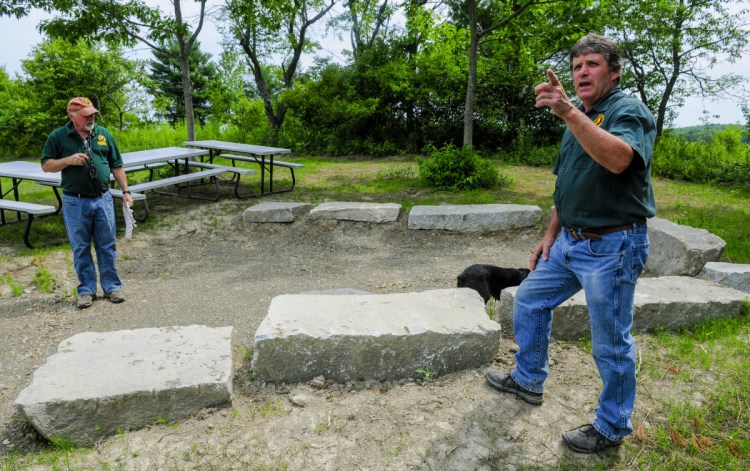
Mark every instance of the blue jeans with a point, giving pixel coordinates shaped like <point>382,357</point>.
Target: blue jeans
<point>88,219</point>
<point>607,271</point>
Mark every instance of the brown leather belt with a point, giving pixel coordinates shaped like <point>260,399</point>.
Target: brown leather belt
<point>595,233</point>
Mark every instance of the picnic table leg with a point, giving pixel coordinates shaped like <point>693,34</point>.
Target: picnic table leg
<point>270,178</point>
<point>59,200</point>
<point>27,230</point>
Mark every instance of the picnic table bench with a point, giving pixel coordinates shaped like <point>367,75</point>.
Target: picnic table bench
<point>263,163</point>
<point>31,210</point>
<point>261,155</point>
<point>177,180</point>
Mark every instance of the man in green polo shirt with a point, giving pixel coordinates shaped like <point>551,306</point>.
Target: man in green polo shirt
<point>596,240</point>
<point>85,154</point>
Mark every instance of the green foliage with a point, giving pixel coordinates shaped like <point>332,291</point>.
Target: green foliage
<point>16,288</point>
<point>721,158</point>
<point>426,373</point>
<point>525,152</point>
<point>669,45</point>
<point>56,72</point>
<point>455,169</point>
<point>44,280</point>
<point>330,115</point>
<point>712,358</point>
<point>166,82</point>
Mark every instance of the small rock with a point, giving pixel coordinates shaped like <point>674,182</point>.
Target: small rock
<point>513,434</point>
<point>299,400</point>
<point>318,382</point>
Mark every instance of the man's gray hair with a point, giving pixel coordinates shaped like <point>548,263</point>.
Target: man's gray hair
<point>594,43</point>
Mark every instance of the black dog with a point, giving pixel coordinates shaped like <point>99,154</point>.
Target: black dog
<point>489,280</point>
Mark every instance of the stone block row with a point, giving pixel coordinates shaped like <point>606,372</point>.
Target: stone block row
<point>461,218</point>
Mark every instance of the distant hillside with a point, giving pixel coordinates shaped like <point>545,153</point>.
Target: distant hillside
<point>696,133</point>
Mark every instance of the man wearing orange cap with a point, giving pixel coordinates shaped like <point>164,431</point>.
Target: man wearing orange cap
<point>86,154</point>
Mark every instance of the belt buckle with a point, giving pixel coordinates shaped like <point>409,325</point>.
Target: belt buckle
<point>574,234</point>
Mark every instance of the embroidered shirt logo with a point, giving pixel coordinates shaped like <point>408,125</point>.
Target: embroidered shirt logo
<point>599,120</point>
<point>102,141</point>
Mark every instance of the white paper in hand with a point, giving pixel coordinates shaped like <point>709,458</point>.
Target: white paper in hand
<point>127,214</point>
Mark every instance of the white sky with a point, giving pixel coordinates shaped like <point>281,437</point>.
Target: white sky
<point>19,36</point>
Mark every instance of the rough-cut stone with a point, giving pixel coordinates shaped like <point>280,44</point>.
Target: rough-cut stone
<point>680,250</point>
<point>99,382</point>
<point>373,337</point>
<point>734,275</point>
<point>339,291</point>
<point>669,302</point>
<point>364,212</point>
<point>276,211</point>
<point>474,217</point>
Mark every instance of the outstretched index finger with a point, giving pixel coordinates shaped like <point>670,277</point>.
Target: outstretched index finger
<point>553,80</point>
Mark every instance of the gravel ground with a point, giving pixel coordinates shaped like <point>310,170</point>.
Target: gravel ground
<point>202,265</point>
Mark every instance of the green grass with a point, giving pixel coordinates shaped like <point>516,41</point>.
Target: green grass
<point>709,429</point>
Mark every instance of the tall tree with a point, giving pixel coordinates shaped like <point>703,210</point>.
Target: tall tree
<point>671,47</point>
<point>129,22</point>
<point>366,20</point>
<point>55,71</point>
<point>268,29</point>
<point>166,74</point>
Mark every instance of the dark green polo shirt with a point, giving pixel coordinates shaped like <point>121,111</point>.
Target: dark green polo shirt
<point>587,194</point>
<point>66,141</point>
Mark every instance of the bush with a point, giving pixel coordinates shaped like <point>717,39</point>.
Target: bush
<point>454,169</point>
<point>721,158</point>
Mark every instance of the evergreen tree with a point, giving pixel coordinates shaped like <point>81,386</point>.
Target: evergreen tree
<point>166,87</point>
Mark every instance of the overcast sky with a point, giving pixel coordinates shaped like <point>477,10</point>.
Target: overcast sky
<point>19,36</point>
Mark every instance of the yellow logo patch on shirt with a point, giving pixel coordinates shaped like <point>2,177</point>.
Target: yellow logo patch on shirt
<point>102,141</point>
<point>599,120</point>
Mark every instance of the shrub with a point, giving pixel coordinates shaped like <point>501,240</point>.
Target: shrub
<point>454,169</point>
<point>722,158</point>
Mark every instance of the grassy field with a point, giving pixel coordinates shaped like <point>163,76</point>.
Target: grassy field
<point>724,211</point>
<point>710,433</point>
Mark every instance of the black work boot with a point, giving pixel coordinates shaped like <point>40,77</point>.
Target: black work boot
<point>586,439</point>
<point>502,381</point>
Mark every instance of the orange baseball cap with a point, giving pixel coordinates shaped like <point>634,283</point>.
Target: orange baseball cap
<point>81,105</point>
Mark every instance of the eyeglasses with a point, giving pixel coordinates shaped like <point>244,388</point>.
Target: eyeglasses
<point>90,154</point>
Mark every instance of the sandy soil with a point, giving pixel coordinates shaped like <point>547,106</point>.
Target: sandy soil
<point>202,265</point>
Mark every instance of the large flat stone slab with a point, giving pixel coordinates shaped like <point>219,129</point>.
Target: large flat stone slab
<point>734,275</point>
<point>373,336</point>
<point>680,250</point>
<point>669,302</point>
<point>474,217</point>
<point>364,212</point>
<point>276,211</point>
<point>99,382</point>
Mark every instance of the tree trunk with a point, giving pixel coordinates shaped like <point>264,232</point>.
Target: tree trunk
<point>471,85</point>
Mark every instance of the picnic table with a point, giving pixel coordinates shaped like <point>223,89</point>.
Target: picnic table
<point>261,155</point>
<point>19,171</point>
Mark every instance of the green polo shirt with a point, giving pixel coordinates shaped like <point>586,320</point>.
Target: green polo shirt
<point>587,194</point>
<point>66,141</point>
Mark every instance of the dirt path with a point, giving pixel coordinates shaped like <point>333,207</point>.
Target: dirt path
<point>204,266</point>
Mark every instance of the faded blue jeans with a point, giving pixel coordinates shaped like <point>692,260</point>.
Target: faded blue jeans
<point>88,219</point>
<point>607,271</point>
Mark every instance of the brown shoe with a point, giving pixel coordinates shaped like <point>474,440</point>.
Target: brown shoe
<point>115,297</point>
<point>85,301</point>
